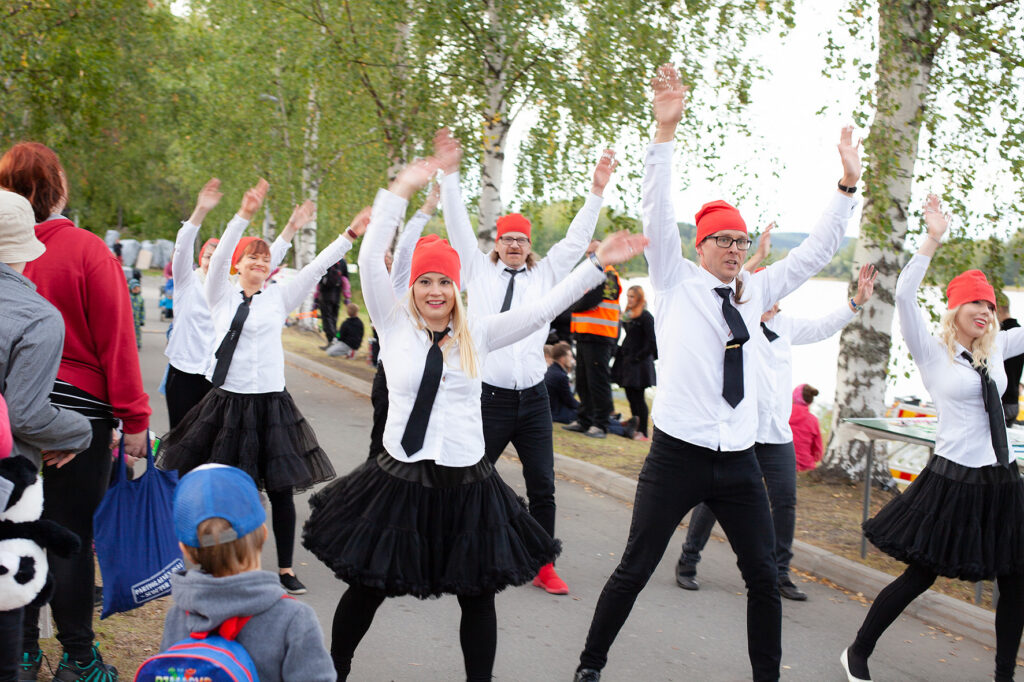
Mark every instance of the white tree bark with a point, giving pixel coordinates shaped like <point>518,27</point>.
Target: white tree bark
<point>269,223</point>
<point>305,247</point>
<point>495,130</point>
<point>905,62</point>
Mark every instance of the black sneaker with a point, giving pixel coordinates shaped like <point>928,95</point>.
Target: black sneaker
<point>28,669</point>
<point>575,427</point>
<point>587,675</point>
<point>291,584</point>
<point>93,670</point>
<point>97,595</point>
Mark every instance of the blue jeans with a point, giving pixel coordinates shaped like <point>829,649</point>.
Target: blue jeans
<point>778,465</point>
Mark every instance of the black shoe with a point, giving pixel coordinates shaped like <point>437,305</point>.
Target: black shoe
<point>595,432</point>
<point>629,426</point>
<point>686,577</point>
<point>856,669</point>
<point>28,669</point>
<point>587,675</point>
<point>291,584</point>
<point>97,595</point>
<point>792,592</point>
<point>574,426</point>
<point>325,346</point>
<point>93,670</point>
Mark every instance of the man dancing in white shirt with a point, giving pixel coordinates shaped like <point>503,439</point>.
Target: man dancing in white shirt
<point>705,413</point>
<point>514,399</point>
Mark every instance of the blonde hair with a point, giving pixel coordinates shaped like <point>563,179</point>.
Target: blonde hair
<point>460,334</point>
<point>228,558</point>
<point>982,347</point>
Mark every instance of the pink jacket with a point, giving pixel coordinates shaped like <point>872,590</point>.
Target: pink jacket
<point>806,432</point>
<point>6,440</point>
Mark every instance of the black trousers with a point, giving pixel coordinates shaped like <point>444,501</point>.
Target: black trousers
<point>72,494</point>
<point>330,300</point>
<point>183,392</point>
<point>778,465</point>
<point>638,407</point>
<point>379,401</point>
<point>10,644</point>
<point>594,382</point>
<point>523,418</point>
<point>676,476</point>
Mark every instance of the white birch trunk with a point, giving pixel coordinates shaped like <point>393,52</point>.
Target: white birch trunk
<point>269,223</point>
<point>495,131</point>
<point>305,247</point>
<point>864,347</point>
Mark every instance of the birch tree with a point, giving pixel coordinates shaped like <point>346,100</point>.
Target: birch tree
<point>945,95</point>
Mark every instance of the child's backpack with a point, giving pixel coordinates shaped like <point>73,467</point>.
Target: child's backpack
<point>212,656</point>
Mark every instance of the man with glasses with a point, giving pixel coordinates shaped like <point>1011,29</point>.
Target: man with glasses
<point>705,413</point>
<point>515,403</point>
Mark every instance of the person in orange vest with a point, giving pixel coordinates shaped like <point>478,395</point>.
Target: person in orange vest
<point>595,327</point>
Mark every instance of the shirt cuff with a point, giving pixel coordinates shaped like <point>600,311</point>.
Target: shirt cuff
<point>660,152</point>
<point>389,203</point>
<point>593,202</point>
<point>843,204</point>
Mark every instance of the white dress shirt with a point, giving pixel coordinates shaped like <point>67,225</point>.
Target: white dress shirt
<point>454,435</point>
<point>257,365</point>
<point>520,365</point>
<point>775,387</point>
<point>963,434</point>
<point>191,343</point>
<point>689,404</point>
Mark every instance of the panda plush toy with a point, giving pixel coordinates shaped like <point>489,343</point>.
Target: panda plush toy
<point>24,539</point>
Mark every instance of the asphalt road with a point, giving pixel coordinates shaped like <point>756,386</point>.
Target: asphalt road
<point>671,634</point>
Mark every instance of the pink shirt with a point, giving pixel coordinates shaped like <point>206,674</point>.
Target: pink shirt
<point>6,440</point>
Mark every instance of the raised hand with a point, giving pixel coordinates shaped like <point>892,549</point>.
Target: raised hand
<point>619,247</point>
<point>209,196</point>
<point>301,216</point>
<point>360,222</point>
<point>433,197</point>
<point>764,248</point>
<point>447,151</point>
<point>253,199</point>
<point>865,284</point>
<point>669,101</point>
<point>934,219</point>
<point>849,154</point>
<point>414,177</point>
<point>603,173</point>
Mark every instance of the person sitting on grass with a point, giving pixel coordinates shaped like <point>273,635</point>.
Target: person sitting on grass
<point>221,526</point>
<point>350,335</point>
<point>563,403</point>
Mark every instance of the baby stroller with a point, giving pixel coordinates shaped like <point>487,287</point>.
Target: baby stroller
<point>167,300</point>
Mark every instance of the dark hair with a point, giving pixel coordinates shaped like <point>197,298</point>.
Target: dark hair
<point>33,170</point>
<point>560,350</point>
<point>809,393</point>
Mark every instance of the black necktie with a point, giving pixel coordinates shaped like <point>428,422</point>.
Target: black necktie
<point>994,407</point>
<point>507,303</point>
<point>227,346</point>
<point>416,427</point>
<point>732,369</point>
<point>768,333</point>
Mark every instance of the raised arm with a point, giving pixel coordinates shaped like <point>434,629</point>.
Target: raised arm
<point>401,266</point>
<point>514,325</point>
<point>921,344</point>
<point>804,331</point>
<point>461,235</point>
<point>300,286</point>
<point>567,252</point>
<point>665,261</point>
<point>764,248</point>
<point>182,262</point>
<point>217,283</point>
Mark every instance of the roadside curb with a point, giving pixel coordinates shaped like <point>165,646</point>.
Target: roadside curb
<point>935,609</point>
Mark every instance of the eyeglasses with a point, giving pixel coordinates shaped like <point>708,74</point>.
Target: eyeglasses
<point>509,241</point>
<point>742,243</point>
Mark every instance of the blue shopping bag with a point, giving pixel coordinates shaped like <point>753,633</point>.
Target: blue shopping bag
<point>135,540</point>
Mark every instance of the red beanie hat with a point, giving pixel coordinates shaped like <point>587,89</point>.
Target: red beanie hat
<point>715,216</point>
<point>513,222</point>
<point>968,286</point>
<point>433,254</point>
<point>212,241</point>
<point>239,249</point>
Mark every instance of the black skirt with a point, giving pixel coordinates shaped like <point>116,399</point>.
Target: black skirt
<point>960,522</point>
<point>263,434</point>
<point>425,530</point>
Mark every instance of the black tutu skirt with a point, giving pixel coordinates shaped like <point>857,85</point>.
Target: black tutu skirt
<point>960,522</point>
<point>425,530</point>
<point>263,434</point>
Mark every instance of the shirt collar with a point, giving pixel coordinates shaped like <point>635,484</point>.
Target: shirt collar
<point>7,271</point>
<point>713,282</point>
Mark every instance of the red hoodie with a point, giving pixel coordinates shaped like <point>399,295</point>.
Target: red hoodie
<point>806,432</point>
<point>80,276</point>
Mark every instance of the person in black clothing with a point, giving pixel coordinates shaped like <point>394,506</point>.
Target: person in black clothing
<point>350,334</point>
<point>560,328</point>
<point>556,379</point>
<point>329,298</point>
<point>634,361</point>
<point>1014,366</point>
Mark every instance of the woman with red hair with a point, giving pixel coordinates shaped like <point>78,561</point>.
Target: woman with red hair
<point>249,420</point>
<point>634,362</point>
<point>963,517</point>
<point>99,377</point>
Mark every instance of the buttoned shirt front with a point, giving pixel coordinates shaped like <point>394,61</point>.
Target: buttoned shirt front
<point>690,327</point>
<point>520,365</point>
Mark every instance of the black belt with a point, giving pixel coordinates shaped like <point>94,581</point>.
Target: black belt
<point>536,389</point>
<point>987,475</point>
<point>430,474</point>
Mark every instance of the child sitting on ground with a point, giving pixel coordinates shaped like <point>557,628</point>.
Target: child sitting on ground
<point>221,526</point>
<point>350,335</point>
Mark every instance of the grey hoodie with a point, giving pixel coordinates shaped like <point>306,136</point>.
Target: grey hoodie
<point>283,636</point>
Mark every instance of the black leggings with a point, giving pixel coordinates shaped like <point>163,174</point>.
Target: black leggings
<point>282,518</point>
<point>892,600</point>
<point>478,631</point>
<point>638,407</point>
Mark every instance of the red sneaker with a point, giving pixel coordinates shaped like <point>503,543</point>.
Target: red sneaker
<point>549,580</point>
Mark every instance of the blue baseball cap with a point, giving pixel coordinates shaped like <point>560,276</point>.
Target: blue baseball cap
<point>216,491</point>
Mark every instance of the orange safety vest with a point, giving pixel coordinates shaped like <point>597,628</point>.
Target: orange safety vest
<point>604,319</point>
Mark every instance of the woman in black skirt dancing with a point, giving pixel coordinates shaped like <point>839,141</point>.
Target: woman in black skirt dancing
<point>249,420</point>
<point>429,515</point>
<point>963,517</point>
